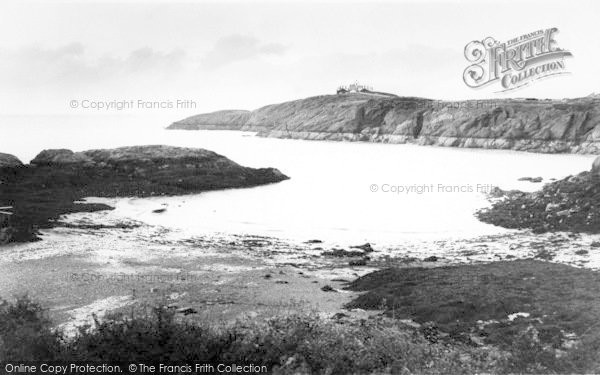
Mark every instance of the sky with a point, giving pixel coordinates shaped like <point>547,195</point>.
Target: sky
<point>243,55</point>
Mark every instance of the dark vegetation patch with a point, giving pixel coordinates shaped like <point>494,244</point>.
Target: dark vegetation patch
<point>290,344</point>
<point>561,300</point>
<point>287,344</point>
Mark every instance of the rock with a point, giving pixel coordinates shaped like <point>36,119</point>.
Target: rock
<point>581,252</point>
<point>410,323</point>
<point>60,157</point>
<point>496,192</point>
<point>328,288</point>
<point>366,247</point>
<point>545,255</point>
<point>313,241</point>
<point>569,205</point>
<point>159,210</point>
<point>9,161</point>
<point>186,311</point>
<point>256,243</point>
<point>138,161</point>
<point>432,258</point>
<point>596,167</point>
<point>47,187</point>
<point>340,253</point>
<point>340,280</point>
<point>359,262</point>
<point>531,179</point>
<point>595,244</point>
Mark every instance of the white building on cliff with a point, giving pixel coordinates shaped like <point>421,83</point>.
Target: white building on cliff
<point>354,88</point>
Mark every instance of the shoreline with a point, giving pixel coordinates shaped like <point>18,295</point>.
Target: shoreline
<point>99,264</point>
<point>544,126</point>
<point>478,143</point>
<point>217,281</point>
<point>95,263</point>
<point>55,181</point>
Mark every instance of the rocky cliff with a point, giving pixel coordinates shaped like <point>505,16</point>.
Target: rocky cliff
<point>571,204</point>
<point>550,126</point>
<point>55,179</point>
<point>223,120</point>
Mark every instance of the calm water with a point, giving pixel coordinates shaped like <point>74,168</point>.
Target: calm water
<point>330,193</point>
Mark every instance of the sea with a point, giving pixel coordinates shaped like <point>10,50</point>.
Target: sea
<point>347,192</point>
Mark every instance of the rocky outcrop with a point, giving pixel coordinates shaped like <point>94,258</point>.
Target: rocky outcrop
<point>174,169</point>
<point>58,157</point>
<point>549,126</point>
<point>224,120</point>
<point>9,161</point>
<point>55,179</point>
<point>571,204</point>
<point>134,155</point>
<point>596,168</point>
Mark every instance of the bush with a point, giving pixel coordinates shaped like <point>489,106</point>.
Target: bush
<point>25,331</point>
<point>286,344</point>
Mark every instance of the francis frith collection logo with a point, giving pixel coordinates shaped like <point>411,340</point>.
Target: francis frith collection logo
<point>515,63</point>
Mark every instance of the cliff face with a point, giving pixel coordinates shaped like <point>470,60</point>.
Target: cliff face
<point>549,126</point>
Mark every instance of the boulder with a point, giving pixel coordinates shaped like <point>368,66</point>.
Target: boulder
<point>59,157</point>
<point>9,161</point>
<point>186,310</point>
<point>366,247</point>
<point>531,179</point>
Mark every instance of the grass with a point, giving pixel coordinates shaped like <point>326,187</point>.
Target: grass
<point>457,300</point>
<point>285,344</point>
<point>450,303</point>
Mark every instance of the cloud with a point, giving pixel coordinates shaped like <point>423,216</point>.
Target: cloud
<point>70,66</point>
<point>147,58</point>
<point>421,58</point>
<point>237,47</point>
